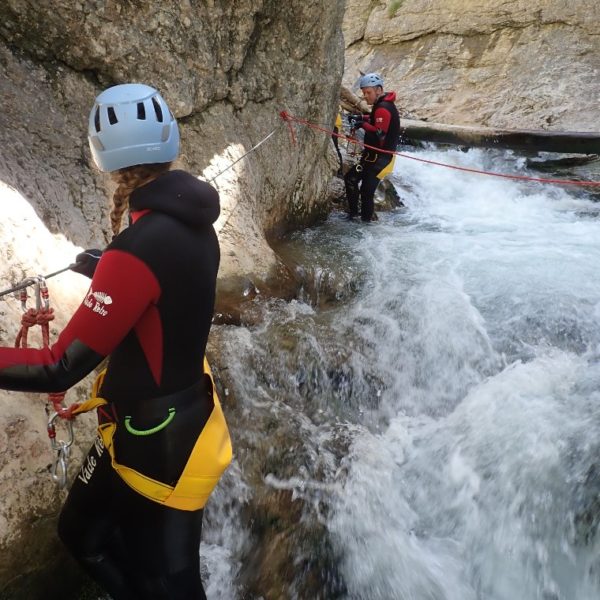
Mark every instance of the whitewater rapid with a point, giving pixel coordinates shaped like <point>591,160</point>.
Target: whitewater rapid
<point>457,341</point>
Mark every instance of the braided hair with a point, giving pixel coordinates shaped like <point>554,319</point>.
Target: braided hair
<point>129,179</point>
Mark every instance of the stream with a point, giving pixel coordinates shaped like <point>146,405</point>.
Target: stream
<point>431,397</point>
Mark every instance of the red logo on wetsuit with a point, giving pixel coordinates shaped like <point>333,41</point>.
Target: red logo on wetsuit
<point>97,301</point>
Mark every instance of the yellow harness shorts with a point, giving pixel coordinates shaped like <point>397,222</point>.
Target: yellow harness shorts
<point>208,460</point>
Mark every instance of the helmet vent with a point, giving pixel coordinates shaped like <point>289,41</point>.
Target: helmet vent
<point>112,117</point>
<point>141,109</point>
<point>97,119</point>
<point>157,110</point>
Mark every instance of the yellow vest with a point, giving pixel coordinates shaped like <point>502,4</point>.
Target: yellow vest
<point>210,457</point>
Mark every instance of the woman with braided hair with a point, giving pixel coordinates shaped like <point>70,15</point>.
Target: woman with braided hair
<point>133,517</point>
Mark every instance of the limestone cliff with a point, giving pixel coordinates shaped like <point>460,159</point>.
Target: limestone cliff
<point>226,69</point>
<point>503,63</point>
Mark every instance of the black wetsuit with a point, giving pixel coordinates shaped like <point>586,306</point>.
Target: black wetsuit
<point>382,130</point>
<point>149,308</point>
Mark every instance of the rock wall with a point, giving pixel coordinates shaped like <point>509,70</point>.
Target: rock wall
<point>501,63</point>
<point>226,69</point>
<point>29,498</point>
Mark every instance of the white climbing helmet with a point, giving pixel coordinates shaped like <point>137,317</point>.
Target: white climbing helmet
<point>370,80</point>
<point>131,124</point>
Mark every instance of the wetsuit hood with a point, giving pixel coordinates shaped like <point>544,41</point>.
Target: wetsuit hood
<point>388,97</point>
<point>180,195</point>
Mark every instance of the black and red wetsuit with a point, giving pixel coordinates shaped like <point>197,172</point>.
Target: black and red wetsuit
<point>149,309</point>
<point>382,130</point>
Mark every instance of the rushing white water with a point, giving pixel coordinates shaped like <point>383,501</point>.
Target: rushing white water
<point>465,352</point>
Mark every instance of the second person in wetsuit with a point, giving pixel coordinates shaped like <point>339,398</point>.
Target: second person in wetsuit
<point>382,133</point>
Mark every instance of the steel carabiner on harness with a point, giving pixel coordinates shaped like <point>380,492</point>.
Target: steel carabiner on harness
<point>62,448</point>
<point>60,465</point>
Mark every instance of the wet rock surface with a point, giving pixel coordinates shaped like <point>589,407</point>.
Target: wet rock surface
<point>519,64</point>
<point>226,70</point>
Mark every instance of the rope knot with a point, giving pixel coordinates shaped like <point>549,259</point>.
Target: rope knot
<point>56,398</point>
<point>29,318</point>
<point>44,316</point>
<point>289,119</point>
<point>64,412</point>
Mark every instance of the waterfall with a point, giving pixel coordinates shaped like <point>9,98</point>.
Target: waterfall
<point>438,377</point>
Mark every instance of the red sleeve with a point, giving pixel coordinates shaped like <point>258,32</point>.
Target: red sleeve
<point>383,118</point>
<point>368,127</point>
<point>122,289</point>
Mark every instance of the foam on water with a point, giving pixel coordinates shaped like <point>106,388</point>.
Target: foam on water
<point>471,490</point>
<point>465,354</point>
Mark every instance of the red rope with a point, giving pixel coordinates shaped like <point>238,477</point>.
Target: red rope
<point>289,118</point>
<point>31,317</point>
<point>56,398</point>
<point>41,317</point>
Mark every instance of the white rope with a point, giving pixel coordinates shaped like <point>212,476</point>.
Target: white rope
<point>244,155</point>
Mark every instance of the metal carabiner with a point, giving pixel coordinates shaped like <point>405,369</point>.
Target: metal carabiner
<point>42,299</point>
<point>60,465</point>
<point>42,296</point>
<point>22,293</point>
<point>57,444</point>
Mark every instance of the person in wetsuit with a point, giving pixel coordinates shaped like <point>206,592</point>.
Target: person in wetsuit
<point>148,309</point>
<point>382,131</point>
